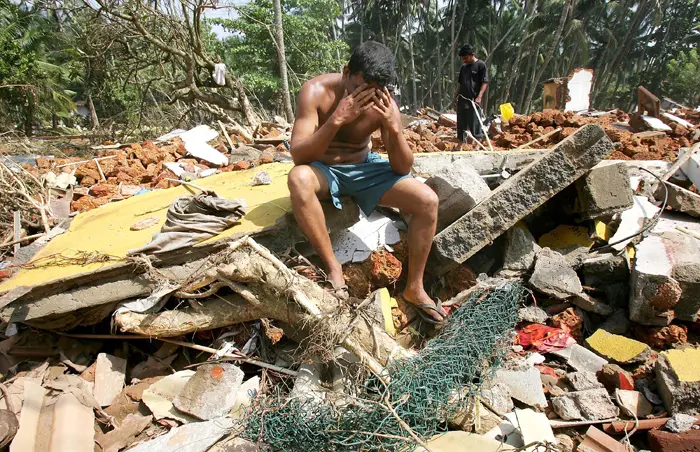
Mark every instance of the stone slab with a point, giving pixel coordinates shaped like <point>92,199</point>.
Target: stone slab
<point>604,191</point>
<point>70,430</point>
<point>425,165</point>
<point>534,427</point>
<point>211,392</point>
<point>110,372</point>
<point>685,251</point>
<point>583,380</point>
<point>160,395</point>
<point>581,358</point>
<point>519,196</point>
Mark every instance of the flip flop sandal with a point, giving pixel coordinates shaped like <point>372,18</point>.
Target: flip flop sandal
<point>341,292</point>
<point>420,308</point>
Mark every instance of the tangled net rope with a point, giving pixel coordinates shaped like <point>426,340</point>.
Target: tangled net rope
<point>421,394</point>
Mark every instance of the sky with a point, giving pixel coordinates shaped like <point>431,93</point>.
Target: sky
<point>224,12</point>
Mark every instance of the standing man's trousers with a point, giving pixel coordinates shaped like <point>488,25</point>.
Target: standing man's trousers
<point>467,119</point>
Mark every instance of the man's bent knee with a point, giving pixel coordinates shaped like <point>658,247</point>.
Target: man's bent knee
<point>426,202</point>
<point>302,181</point>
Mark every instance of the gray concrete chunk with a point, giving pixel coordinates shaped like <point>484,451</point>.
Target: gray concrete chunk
<point>519,196</point>
<point>581,358</point>
<point>211,392</point>
<point>583,380</point>
<point>604,191</point>
<point>525,386</point>
<point>553,276</point>
<point>680,199</point>
<point>521,249</point>
<point>459,187</point>
<point>109,378</point>
<point>589,405</point>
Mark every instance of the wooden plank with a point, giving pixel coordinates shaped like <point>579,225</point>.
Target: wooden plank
<point>18,231</point>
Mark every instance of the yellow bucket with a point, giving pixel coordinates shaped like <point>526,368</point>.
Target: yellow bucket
<point>507,111</point>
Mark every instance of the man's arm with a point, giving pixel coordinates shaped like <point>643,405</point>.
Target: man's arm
<point>309,141</point>
<point>400,155</point>
<point>484,84</point>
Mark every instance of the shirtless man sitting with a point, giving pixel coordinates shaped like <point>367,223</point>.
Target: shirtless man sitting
<point>336,115</point>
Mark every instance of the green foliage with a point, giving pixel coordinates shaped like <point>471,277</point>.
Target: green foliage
<point>683,82</point>
<point>310,49</point>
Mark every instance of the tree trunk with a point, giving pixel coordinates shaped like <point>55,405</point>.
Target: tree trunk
<point>550,54</point>
<point>286,97</point>
<point>414,93</point>
<point>94,120</point>
<point>29,117</point>
<point>453,71</point>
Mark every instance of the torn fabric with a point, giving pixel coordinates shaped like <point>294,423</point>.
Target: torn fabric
<point>192,219</point>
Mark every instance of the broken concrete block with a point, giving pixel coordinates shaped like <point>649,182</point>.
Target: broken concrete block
<point>653,292</point>
<point>581,358</point>
<point>604,191</point>
<point>633,403</point>
<point>192,437</point>
<point>458,440</point>
<point>603,269</point>
<point>617,323</point>
<point>519,196</point>
<point>521,249</point>
<point>615,377</point>
<point>497,397</point>
<point>679,199</point>
<point>583,380</point>
<point>110,372</point>
<point>160,395</point>
<point>553,276</point>
<point>678,380</point>
<point>663,441</point>
<point>589,405</point>
<point>618,349</point>
<point>590,304</point>
<point>246,393</point>
<point>533,314</point>
<point>459,187</point>
<point>125,435</point>
<point>523,385</point>
<point>534,427</point>
<point>631,221</point>
<point>686,270</point>
<point>211,392</point>
<point>680,423</point>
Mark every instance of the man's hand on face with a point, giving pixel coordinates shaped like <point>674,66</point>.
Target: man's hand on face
<point>353,105</point>
<point>387,109</point>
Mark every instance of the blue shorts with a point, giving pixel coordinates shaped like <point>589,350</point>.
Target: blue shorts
<point>364,182</point>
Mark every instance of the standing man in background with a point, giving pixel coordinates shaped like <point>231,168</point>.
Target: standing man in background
<point>471,85</point>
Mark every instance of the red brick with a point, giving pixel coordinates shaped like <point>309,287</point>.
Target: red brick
<point>663,441</point>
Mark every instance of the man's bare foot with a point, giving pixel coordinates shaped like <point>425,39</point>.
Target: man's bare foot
<point>421,300</point>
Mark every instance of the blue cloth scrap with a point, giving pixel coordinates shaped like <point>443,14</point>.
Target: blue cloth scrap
<point>364,182</point>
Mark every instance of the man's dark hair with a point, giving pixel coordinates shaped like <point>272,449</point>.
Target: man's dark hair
<point>376,62</point>
<point>466,50</point>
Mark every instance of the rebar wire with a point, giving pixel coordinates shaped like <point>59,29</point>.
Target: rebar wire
<point>423,392</point>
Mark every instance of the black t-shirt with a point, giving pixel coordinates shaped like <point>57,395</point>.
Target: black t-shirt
<point>471,77</point>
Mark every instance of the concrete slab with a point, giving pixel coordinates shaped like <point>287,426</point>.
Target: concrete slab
<point>632,221</point>
<point>553,276</point>
<point>26,437</point>
<point>692,167</point>
<point>211,392</point>
<point>519,196</point>
<point>110,373</point>
<point>618,349</point>
<point>685,251</point>
<point>426,165</point>
<point>70,430</point>
<point>680,199</point>
<point>457,441</point>
<point>535,426</point>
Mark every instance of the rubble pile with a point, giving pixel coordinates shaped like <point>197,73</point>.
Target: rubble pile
<point>571,283</point>
<point>429,133</point>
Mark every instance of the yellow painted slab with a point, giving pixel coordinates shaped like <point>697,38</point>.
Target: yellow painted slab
<point>387,303</point>
<point>564,236</point>
<point>106,230</point>
<point>685,363</point>
<point>615,347</point>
